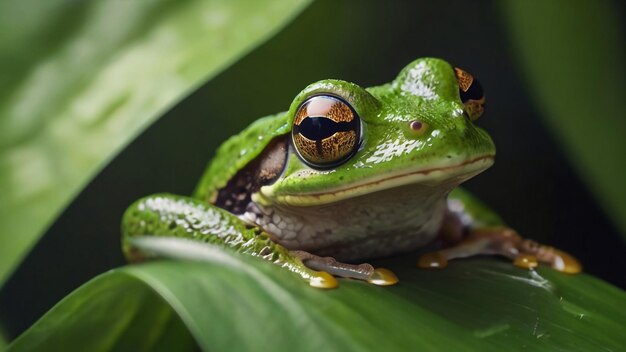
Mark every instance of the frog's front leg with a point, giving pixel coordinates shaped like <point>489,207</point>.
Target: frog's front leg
<point>174,216</point>
<point>474,230</point>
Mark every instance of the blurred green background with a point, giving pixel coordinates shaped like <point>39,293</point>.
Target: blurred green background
<point>553,76</point>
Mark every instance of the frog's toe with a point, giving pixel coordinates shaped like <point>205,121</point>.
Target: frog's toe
<point>556,258</point>
<point>329,267</point>
<point>322,279</point>
<point>433,260</point>
<point>525,261</point>
<point>333,267</point>
<point>503,241</point>
<point>383,277</point>
<point>566,263</point>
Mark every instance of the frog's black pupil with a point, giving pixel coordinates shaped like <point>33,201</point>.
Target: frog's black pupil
<point>318,128</point>
<point>474,92</point>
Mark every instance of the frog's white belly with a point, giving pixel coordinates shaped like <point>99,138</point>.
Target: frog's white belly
<point>368,226</point>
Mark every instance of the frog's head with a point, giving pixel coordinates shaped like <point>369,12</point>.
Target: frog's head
<point>348,141</point>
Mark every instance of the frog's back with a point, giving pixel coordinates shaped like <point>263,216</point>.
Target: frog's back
<point>237,152</point>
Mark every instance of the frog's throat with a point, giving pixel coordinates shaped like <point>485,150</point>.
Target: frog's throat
<point>434,175</point>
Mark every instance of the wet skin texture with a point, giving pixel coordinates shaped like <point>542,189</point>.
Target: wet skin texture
<point>346,174</point>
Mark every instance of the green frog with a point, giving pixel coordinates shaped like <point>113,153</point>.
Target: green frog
<point>349,174</point>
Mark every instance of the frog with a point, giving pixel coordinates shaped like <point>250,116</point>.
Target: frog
<point>349,174</point>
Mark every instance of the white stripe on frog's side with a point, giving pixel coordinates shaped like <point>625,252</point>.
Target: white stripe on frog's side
<point>372,225</point>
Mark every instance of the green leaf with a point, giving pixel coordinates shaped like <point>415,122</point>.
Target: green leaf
<point>572,54</point>
<point>81,79</point>
<point>234,302</point>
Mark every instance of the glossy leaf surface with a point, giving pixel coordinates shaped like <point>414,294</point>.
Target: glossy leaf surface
<point>234,302</point>
<point>93,75</point>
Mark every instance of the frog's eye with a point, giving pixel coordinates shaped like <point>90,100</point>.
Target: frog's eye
<point>471,93</point>
<point>326,131</point>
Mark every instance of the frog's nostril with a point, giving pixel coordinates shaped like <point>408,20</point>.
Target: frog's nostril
<point>416,125</point>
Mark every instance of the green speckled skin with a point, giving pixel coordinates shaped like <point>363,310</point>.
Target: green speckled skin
<point>238,151</point>
<point>389,145</point>
<point>177,216</point>
<point>426,90</point>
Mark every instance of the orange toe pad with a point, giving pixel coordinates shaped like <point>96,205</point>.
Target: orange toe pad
<point>433,260</point>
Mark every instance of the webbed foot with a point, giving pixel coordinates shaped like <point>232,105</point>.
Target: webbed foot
<point>503,241</point>
<point>330,266</point>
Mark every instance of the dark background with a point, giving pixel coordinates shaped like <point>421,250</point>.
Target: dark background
<point>532,185</point>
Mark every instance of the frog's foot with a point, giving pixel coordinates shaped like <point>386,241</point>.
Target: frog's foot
<point>503,241</point>
<point>366,272</point>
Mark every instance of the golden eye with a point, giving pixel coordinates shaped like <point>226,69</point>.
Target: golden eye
<point>471,93</point>
<point>326,131</point>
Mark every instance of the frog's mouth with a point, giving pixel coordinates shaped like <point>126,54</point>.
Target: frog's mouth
<point>449,174</point>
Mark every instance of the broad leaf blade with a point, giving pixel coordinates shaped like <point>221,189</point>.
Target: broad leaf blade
<point>572,54</point>
<point>110,313</point>
<point>81,79</point>
<point>233,302</point>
